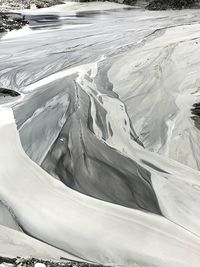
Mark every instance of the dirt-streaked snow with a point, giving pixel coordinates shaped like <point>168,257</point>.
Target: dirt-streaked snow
<point>159,86</point>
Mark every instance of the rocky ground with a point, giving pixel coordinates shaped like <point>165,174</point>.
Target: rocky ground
<point>174,4</point>
<point>33,262</point>
<point>158,4</point>
<point>11,21</point>
<point>6,5</point>
<point>196,114</point>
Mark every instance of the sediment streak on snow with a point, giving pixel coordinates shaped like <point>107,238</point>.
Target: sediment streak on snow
<point>159,85</point>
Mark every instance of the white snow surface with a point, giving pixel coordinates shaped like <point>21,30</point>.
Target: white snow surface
<point>76,6</point>
<point>7,218</point>
<point>88,228</point>
<point>92,229</point>
<point>159,86</point>
<point>14,243</point>
<point>40,264</point>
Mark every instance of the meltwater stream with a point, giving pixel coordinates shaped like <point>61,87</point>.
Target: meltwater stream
<point>104,109</point>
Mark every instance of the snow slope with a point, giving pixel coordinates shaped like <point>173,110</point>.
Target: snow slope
<point>95,99</point>
<point>159,86</point>
<point>7,218</point>
<point>80,7</point>
<point>14,243</point>
<point>73,222</point>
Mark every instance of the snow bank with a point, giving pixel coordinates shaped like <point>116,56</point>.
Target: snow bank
<point>80,7</point>
<point>14,243</point>
<point>88,228</point>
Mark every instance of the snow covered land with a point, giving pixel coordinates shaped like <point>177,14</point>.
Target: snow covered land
<point>99,154</point>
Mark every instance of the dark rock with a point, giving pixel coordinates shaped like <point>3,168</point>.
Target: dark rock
<point>126,2</point>
<point>7,260</point>
<point>8,92</point>
<point>196,114</point>
<point>32,261</point>
<point>130,2</point>
<point>7,5</point>
<point>11,21</point>
<point>46,3</point>
<point>173,4</point>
